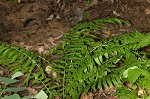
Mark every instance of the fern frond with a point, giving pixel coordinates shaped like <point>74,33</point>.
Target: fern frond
<point>89,62</point>
<point>84,61</point>
<point>19,59</point>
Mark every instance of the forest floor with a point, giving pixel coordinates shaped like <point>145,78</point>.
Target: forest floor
<point>38,25</point>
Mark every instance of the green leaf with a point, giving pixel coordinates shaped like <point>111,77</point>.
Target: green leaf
<point>109,82</point>
<point>145,73</point>
<point>130,74</point>
<point>106,55</point>
<point>125,73</point>
<point>11,53</point>
<point>6,52</point>
<point>2,49</point>
<point>86,89</point>
<point>97,60</point>
<point>17,74</point>
<point>14,89</point>
<point>94,87</point>
<point>27,97</point>
<point>41,95</point>
<point>105,83</point>
<point>101,58</point>
<point>115,82</point>
<point>8,81</point>
<point>148,97</point>
<point>28,63</point>
<point>100,84</point>
<point>124,97</point>
<point>14,96</point>
<point>15,58</point>
<point>80,75</point>
<point>23,59</point>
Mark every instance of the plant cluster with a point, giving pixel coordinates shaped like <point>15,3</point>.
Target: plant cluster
<point>86,62</point>
<point>18,59</point>
<point>6,88</point>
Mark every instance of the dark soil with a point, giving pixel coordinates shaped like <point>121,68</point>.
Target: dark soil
<point>39,24</point>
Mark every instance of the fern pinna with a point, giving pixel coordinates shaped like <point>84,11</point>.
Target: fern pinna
<point>85,61</point>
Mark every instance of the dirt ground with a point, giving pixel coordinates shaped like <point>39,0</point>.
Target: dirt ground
<point>39,24</point>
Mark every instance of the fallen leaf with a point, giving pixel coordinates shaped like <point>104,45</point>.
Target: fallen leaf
<point>54,74</point>
<point>115,13</point>
<point>50,18</point>
<point>1,72</point>
<point>148,1</point>
<point>140,92</point>
<point>87,96</point>
<point>147,11</point>
<point>32,91</point>
<point>57,97</point>
<point>41,49</point>
<point>19,1</point>
<point>84,96</point>
<point>48,69</point>
<point>95,2</point>
<point>41,95</point>
<point>28,47</point>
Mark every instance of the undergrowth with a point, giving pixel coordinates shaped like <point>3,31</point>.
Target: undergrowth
<point>9,92</point>
<point>84,62</point>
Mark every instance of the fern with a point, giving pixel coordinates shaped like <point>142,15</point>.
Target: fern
<point>85,60</point>
<point>19,59</point>
<point>89,63</point>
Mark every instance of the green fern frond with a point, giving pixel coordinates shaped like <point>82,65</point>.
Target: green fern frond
<point>89,62</point>
<point>84,61</point>
<point>19,59</point>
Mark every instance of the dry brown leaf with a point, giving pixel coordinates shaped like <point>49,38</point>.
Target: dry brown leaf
<point>90,95</point>
<point>147,11</point>
<point>115,13</point>
<point>18,1</point>
<point>32,91</point>
<point>45,52</point>
<point>28,47</point>
<point>128,84</point>
<point>41,49</point>
<point>148,1</point>
<point>140,92</point>
<point>54,74</point>
<point>84,96</point>
<point>50,18</point>
<point>87,96</point>
<point>1,72</point>
<point>95,2</point>
<point>48,69</point>
<point>22,44</point>
<point>50,72</point>
<point>57,97</point>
